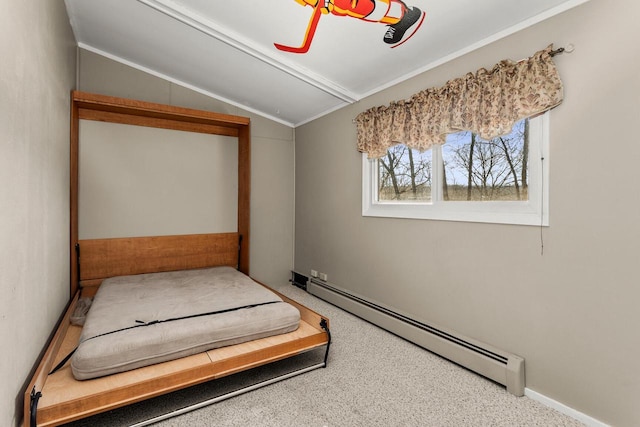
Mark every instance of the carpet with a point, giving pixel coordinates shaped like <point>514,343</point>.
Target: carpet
<point>373,378</point>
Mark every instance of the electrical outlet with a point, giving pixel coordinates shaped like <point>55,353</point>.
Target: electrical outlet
<point>323,277</point>
<point>314,273</point>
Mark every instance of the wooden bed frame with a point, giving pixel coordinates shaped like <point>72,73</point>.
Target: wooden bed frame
<point>57,398</point>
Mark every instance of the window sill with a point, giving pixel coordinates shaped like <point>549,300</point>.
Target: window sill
<point>517,213</point>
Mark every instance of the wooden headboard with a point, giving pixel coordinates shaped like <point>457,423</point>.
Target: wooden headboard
<point>208,249</point>
<point>100,259</point>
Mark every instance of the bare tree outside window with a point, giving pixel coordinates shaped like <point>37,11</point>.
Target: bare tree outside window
<point>473,169</point>
<point>503,180</point>
<point>481,170</point>
<point>404,174</point>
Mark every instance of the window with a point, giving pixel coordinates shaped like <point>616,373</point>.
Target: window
<point>466,179</point>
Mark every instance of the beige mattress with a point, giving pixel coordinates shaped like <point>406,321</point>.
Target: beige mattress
<point>140,320</point>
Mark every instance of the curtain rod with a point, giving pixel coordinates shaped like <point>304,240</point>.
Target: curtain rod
<point>568,49</point>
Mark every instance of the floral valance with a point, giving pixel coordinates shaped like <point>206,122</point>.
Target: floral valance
<point>487,103</point>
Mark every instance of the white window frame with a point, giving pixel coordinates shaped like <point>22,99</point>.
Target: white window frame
<point>534,211</point>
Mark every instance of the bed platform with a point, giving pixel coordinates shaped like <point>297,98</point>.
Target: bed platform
<point>55,398</point>
<point>58,398</point>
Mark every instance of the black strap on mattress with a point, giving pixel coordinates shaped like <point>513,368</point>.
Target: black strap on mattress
<point>140,323</point>
<point>153,322</point>
<point>63,361</point>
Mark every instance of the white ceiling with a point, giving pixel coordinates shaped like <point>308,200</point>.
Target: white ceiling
<point>226,49</point>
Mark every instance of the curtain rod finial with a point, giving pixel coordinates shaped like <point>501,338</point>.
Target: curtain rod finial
<point>568,49</point>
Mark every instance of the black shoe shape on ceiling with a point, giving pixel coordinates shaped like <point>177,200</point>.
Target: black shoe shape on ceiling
<point>396,32</point>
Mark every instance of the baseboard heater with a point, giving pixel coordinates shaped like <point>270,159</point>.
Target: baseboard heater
<point>500,366</point>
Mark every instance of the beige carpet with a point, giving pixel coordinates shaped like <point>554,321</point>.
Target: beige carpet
<point>373,378</point>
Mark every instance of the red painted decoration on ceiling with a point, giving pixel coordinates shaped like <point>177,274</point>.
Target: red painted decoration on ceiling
<point>402,21</point>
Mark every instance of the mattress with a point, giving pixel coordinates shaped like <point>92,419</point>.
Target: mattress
<point>144,319</point>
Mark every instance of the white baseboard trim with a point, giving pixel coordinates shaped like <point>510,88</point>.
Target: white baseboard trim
<point>564,409</point>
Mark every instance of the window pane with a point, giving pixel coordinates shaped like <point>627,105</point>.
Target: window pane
<point>404,174</point>
<point>480,170</point>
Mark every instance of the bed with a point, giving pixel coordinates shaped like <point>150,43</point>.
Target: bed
<point>144,319</point>
<point>117,270</point>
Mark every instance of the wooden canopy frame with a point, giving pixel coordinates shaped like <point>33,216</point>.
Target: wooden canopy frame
<point>90,106</point>
<point>56,398</point>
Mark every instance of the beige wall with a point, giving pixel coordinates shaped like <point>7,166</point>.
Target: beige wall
<point>142,181</point>
<point>37,74</point>
<point>571,312</point>
<point>272,157</point>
